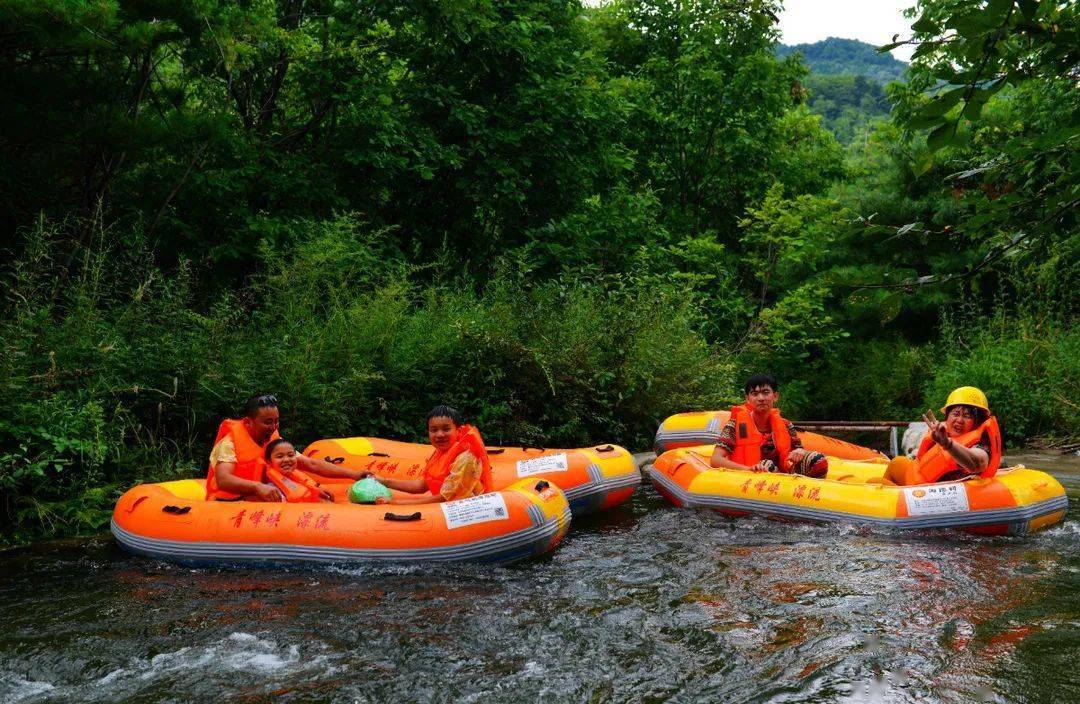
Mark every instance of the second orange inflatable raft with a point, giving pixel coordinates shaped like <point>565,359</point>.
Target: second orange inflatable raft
<point>593,478</point>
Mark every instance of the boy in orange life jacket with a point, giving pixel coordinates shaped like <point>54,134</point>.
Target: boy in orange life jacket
<point>459,467</point>
<point>237,462</point>
<point>758,439</point>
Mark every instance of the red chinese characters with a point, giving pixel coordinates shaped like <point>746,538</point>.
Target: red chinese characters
<point>238,518</point>
<point>323,522</point>
<point>305,519</point>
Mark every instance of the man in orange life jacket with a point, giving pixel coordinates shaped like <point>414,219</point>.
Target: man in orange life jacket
<point>758,439</point>
<point>238,464</point>
<point>967,443</point>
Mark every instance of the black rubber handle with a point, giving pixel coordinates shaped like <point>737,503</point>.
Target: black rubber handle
<point>541,485</point>
<point>604,448</point>
<point>534,447</point>
<point>496,450</point>
<point>176,510</point>
<point>377,454</point>
<point>334,460</point>
<point>401,517</point>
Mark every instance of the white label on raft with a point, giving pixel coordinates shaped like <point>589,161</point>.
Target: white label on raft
<point>944,498</point>
<point>539,465</point>
<point>478,509</point>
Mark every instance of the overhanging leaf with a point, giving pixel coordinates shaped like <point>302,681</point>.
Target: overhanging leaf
<point>941,137</point>
<point>926,25</point>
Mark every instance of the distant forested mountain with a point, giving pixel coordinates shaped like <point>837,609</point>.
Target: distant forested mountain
<point>835,56</point>
<point>847,83</point>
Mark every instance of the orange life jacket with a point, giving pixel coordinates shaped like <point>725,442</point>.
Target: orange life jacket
<point>748,439</point>
<point>250,463</point>
<point>297,487</point>
<point>934,462</point>
<point>438,465</point>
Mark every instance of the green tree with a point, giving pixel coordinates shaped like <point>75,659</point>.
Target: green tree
<point>708,100</point>
<point>1016,176</point>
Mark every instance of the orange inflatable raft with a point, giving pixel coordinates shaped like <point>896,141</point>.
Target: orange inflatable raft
<point>593,478</point>
<point>173,521</point>
<point>1014,501</point>
<point>703,428</point>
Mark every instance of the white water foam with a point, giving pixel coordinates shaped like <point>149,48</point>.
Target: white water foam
<point>19,689</point>
<point>239,652</point>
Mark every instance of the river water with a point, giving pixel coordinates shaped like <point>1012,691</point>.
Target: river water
<point>646,603</point>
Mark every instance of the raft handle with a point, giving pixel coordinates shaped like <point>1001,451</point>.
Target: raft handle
<point>604,448</point>
<point>541,485</point>
<point>334,460</point>
<point>136,503</point>
<point>176,510</point>
<point>377,454</point>
<point>534,447</point>
<point>495,450</point>
<point>390,516</point>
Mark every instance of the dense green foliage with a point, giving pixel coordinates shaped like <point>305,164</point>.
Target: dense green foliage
<point>849,105</point>
<point>570,222</point>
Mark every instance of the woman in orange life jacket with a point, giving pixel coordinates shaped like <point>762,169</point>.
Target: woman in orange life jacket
<point>758,439</point>
<point>967,443</point>
<point>459,467</point>
<point>238,464</point>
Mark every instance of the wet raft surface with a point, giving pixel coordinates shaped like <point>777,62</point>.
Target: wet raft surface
<point>645,603</point>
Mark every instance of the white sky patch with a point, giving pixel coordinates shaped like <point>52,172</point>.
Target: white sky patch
<point>872,21</point>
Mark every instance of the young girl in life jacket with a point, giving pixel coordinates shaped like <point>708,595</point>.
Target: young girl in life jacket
<point>459,467</point>
<point>282,472</point>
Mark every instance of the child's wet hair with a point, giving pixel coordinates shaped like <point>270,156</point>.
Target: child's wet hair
<point>447,412</point>
<point>270,448</point>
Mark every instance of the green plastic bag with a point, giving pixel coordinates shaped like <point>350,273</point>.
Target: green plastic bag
<point>367,490</point>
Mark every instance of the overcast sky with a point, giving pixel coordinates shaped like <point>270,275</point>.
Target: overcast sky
<point>873,21</point>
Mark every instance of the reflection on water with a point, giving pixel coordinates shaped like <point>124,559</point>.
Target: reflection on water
<point>646,603</point>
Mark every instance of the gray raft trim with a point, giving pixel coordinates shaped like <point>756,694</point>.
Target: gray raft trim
<point>685,438</point>
<point>287,552</point>
<point>995,516</point>
<point>601,486</point>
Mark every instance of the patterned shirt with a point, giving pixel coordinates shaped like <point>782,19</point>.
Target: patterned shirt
<point>463,480</point>
<point>224,451</point>
<point>768,446</point>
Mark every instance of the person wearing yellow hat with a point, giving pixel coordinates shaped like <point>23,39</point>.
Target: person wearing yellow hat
<point>967,443</point>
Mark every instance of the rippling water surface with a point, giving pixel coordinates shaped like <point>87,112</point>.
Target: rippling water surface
<point>647,603</point>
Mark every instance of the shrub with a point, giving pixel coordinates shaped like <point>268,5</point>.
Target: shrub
<point>117,371</point>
